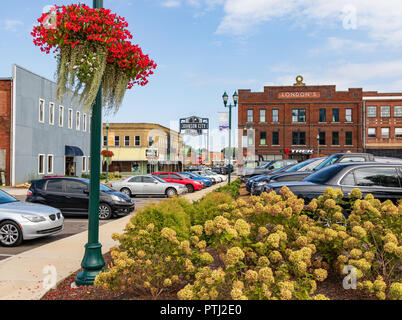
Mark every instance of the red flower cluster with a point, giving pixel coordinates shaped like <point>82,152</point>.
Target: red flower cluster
<point>79,24</point>
<point>107,153</point>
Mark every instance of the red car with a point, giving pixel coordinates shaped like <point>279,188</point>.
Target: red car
<point>173,177</point>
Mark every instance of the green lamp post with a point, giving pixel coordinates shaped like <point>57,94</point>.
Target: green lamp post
<point>93,262</point>
<point>107,148</point>
<point>230,106</point>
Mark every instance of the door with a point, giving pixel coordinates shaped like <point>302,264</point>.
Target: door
<point>77,196</point>
<point>175,178</point>
<point>70,168</point>
<point>135,185</point>
<point>152,186</point>
<point>54,194</point>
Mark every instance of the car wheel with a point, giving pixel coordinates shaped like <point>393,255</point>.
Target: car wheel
<point>10,234</point>
<point>190,188</point>
<point>126,191</point>
<point>171,192</point>
<point>105,211</point>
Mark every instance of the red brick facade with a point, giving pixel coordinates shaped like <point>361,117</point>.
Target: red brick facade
<point>5,124</point>
<point>298,139</point>
<point>383,123</point>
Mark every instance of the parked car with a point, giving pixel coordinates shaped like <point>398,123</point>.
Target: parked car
<point>265,169</point>
<point>255,187</point>
<point>209,174</point>
<point>189,175</point>
<point>147,185</point>
<point>174,177</point>
<point>383,180</point>
<point>25,221</point>
<point>251,180</point>
<point>213,179</point>
<point>71,196</point>
<point>335,158</point>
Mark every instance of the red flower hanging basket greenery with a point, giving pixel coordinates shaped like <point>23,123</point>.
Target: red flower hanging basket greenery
<point>107,156</point>
<point>92,47</point>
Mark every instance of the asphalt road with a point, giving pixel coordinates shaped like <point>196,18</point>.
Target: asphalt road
<point>72,225</point>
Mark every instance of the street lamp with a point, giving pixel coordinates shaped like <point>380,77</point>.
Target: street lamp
<point>107,148</point>
<point>93,262</point>
<point>230,106</point>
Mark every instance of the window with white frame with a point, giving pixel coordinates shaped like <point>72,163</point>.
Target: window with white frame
<point>117,141</point>
<point>61,116</point>
<point>126,141</point>
<point>385,111</point>
<point>262,115</point>
<point>250,115</point>
<point>371,132</point>
<point>41,110</point>
<point>385,133</point>
<point>50,159</point>
<point>348,115</point>
<point>372,111</point>
<point>398,132</point>
<point>398,111</point>
<point>137,140</point>
<point>78,121</point>
<point>51,113</point>
<point>84,164</point>
<point>70,118</point>
<point>41,164</point>
<point>89,163</point>
<point>84,122</point>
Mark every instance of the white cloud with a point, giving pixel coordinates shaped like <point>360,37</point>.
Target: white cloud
<point>382,19</point>
<point>171,4</point>
<point>12,25</point>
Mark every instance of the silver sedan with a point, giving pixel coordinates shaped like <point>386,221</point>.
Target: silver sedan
<point>148,185</point>
<point>25,221</point>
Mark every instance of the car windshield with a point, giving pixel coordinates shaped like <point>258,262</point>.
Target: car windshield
<point>331,160</point>
<point>300,165</point>
<point>324,175</point>
<point>196,174</point>
<point>266,165</point>
<point>6,198</point>
<point>159,179</point>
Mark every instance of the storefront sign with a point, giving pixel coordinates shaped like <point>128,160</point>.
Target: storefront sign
<point>302,151</point>
<point>298,95</point>
<point>151,153</point>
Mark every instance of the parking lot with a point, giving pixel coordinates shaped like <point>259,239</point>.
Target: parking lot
<point>72,225</point>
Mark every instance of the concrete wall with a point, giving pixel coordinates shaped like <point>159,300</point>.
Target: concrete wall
<point>32,137</point>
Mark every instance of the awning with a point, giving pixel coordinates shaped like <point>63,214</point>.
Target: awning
<point>73,151</point>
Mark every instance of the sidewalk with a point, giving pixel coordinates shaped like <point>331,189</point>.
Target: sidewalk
<point>22,277</point>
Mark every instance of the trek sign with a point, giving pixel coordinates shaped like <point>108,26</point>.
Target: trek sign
<point>298,95</point>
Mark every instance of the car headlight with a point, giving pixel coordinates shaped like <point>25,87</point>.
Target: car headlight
<point>34,218</point>
<point>263,183</point>
<point>116,198</point>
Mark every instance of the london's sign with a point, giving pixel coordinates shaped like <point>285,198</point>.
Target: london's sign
<point>298,94</point>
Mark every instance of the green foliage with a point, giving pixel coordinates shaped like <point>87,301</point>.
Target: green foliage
<point>233,188</point>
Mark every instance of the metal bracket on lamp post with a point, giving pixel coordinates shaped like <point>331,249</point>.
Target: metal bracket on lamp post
<point>93,262</point>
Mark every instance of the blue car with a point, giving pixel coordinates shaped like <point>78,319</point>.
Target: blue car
<point>189,175</point>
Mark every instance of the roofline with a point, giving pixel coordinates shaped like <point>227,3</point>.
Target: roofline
<point>141,123</point>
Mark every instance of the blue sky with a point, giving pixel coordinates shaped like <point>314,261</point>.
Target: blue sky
<point>204,47</point>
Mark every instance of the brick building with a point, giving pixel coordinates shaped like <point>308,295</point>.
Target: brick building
<point>383,123</point>
<point>299,121</point>
<point>5,128</point>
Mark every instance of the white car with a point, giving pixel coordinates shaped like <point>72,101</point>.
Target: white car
<point>26,221</point>
<point>223,177</point>
<point>148,185</point>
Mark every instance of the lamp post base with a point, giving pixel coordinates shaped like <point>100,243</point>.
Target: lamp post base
<point>92,264</point>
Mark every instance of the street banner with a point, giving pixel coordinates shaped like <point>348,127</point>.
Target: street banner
<point>223,120</point>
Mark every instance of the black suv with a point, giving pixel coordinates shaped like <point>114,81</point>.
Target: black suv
<point>71,196</point>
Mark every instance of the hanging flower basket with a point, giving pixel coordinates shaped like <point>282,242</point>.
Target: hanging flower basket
<point>92,47</point>
<point>107,156</point>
